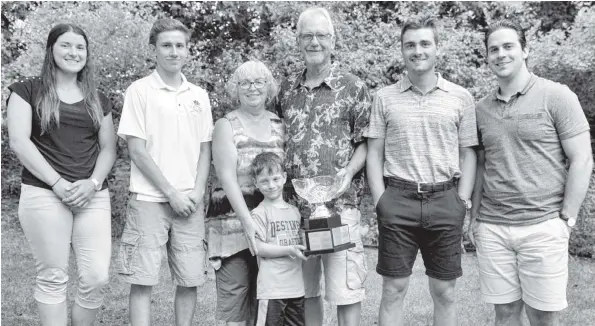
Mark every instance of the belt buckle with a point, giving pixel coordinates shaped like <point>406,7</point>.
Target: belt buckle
<point>419,191</point>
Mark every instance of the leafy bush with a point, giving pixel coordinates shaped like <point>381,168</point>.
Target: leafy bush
<point>225,34</point>
<point>568,57</point>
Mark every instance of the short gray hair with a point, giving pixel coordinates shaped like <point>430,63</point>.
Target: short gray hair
<point>315,10</point>
<point>252,68</point>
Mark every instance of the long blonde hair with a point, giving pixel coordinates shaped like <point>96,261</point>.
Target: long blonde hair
<point>48,103</point>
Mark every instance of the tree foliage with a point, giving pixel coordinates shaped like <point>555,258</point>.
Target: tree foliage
<point>561,36</point>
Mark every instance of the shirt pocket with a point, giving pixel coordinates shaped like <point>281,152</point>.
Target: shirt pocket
<point>128,252</point>
<point>530,126</point>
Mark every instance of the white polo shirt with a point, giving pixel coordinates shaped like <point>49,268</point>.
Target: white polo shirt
<point>173,123</point>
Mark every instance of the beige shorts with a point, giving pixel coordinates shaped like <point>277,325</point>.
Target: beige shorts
<point>149,228</point>
<point>524,262</point>
<point>344,271</point>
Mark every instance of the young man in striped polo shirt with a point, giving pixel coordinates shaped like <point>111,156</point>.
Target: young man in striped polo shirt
<point>421,170</point>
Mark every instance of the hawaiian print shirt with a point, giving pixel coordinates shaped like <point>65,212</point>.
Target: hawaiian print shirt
<point>323,127</point>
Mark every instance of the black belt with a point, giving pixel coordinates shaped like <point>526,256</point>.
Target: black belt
<point>421,187</point>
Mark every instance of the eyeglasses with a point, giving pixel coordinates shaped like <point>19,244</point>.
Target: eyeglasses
<point>245,84</point>
<point>320,37</point>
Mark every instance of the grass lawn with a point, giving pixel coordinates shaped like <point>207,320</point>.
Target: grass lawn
<point>18,307</point>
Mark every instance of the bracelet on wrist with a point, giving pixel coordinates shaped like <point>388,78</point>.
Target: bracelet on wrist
<point>55,182</point>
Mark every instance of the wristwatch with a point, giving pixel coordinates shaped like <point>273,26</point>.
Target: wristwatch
<point>467,203</point>
<point>97,184</point>
<point>570,220</point>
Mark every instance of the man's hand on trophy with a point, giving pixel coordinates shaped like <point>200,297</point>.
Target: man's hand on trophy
<point>297,252</point>
<point>251,231</point>
<point>343,177</point>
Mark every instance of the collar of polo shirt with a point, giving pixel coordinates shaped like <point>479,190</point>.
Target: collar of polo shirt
<point>530,83</point>
<point>406,83</point>
<point>158,83</point>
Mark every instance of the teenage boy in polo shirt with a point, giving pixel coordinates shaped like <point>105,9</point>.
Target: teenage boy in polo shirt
<point>422,130</point>
<point>529,128</point>
<point>167,123</point>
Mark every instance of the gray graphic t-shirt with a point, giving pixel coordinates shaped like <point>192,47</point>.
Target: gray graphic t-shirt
<point>279,278</point>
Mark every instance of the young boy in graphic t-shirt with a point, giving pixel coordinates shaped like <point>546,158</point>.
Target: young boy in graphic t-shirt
<point>280,287</point>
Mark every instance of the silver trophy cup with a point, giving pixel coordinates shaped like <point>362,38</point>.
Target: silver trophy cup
<point>324,232</point>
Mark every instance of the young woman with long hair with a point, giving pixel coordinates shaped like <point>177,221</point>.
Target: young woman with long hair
<point>61,129</point>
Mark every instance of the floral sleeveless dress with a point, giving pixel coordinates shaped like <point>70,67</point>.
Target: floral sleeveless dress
<point>224,231</point>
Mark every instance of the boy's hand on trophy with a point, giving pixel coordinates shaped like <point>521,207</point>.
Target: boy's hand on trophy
<point>297,252</point>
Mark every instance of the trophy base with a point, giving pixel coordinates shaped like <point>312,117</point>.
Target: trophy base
<point>322,223</point>
<point>323,241</point>
<point>342,247</point>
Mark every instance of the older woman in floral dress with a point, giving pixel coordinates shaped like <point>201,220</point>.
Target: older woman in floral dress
<point>238,137</point>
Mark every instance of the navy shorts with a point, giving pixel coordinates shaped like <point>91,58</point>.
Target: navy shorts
<point>431,222</point>
<point>286,312</point>
<point>236,287</point>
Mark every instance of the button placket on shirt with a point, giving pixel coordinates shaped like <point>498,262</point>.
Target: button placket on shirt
<point>309,95</point>
<point>506,107</point>
<point>179,102</point>
<point>421,101</point>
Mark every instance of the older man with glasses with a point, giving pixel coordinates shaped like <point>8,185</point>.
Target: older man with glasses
<point>325,111</point>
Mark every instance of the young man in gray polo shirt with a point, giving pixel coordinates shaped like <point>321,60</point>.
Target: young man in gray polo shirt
<point>420,140</point>
<point>526,199</point>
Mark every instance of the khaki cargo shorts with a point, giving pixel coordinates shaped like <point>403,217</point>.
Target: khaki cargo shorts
<point>344,271</point>
<point>149,227</point>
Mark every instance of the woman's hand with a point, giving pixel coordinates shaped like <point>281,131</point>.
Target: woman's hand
<point>61,188</point>
<point>250,230</point>
<point>80,193</point>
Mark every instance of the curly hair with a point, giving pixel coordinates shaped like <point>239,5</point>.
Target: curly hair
<point>251,69</point>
